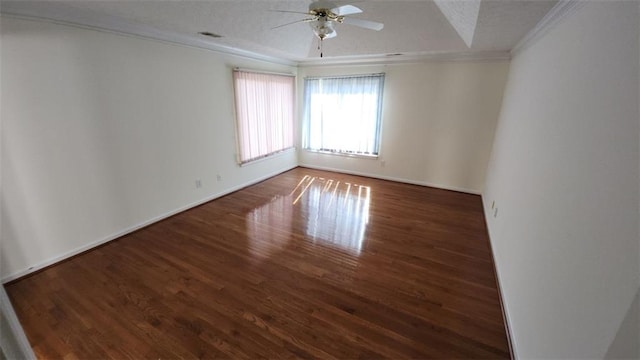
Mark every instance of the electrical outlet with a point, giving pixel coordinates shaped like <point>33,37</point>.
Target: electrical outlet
<point>198,183</point>
<point>383,163</point>
<point>218,177</point>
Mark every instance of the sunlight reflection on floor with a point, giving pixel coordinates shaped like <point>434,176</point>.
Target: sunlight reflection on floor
<point>336,212</point>
<point>333,212</point>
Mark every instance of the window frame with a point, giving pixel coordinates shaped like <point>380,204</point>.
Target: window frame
<point>237,124</point>
<point>306,118</point>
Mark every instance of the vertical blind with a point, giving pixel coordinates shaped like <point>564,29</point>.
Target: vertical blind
<point>342,114</point>
<point>264,113</point>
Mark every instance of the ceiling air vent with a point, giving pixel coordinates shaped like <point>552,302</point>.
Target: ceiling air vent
<point>210,34</point>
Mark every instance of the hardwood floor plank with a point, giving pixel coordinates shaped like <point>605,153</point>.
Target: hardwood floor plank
<point>308,264</point>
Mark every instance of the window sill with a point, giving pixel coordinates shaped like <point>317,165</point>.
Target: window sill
<point>268,157</point>
<point>360,156</point>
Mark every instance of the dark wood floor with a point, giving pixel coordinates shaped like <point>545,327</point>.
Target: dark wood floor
<point>307,264</point>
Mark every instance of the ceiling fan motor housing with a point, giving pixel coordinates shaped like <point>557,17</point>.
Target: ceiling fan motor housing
<point>321,5</point>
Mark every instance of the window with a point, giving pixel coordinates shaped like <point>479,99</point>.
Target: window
<point>342,114</point>
<point>264,113</point>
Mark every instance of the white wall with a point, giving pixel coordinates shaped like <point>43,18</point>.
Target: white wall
<point>104,132</point>
<point>564,176</point>
<point>438,123</point>
<point>626,344</point>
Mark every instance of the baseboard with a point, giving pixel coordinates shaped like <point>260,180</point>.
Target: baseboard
<point>396,179</point>
<point>54,260</point>
<point>505,313</point>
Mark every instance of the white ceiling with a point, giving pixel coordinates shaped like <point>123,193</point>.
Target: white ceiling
<point>412,28</point>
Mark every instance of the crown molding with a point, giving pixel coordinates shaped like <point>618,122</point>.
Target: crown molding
<point>114,25</point>
<point>555,16</point>
<point>409,58</point>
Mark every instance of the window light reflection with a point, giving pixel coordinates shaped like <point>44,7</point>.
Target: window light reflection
<point>268,228</point>
<point>335,212</point>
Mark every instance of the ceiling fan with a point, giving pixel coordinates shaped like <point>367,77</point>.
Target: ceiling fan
<point>322,17</point>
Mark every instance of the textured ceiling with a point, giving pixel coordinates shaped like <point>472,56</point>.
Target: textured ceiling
<point>463,15</point>
<point>416,27</point>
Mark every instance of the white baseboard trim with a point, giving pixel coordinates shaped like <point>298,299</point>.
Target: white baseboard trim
<point>78,250</point>
<point>503,307</point>
<point>396,179</point>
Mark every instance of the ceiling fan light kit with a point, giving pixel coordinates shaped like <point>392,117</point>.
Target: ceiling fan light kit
<point>323,29</point>
<point>323,15</point>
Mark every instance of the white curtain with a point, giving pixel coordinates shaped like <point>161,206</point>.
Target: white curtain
<point>342,114</point>
<point>264,113</point>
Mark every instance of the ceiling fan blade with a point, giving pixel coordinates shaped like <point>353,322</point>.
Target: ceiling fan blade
<point>295,22</point>
<point>372,25</point>
<point>346,10</point>
<point>293,12</point>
